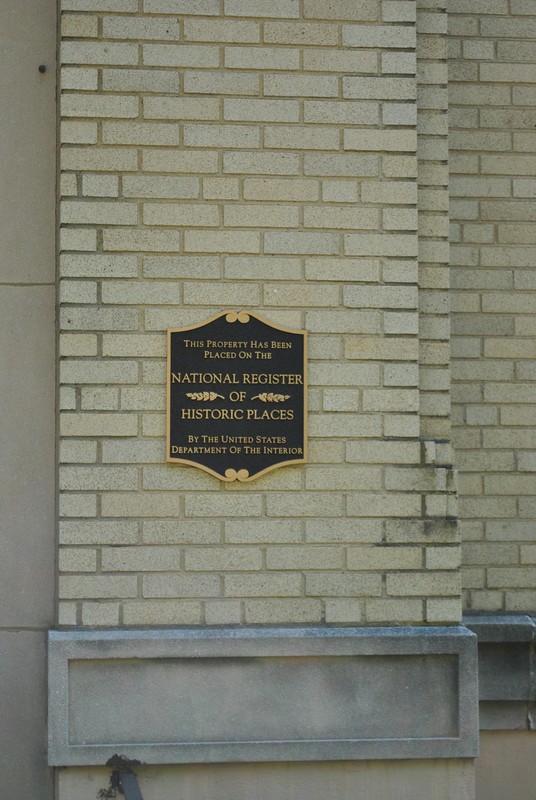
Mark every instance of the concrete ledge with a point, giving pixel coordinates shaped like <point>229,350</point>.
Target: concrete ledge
<point>506,670</point>
<point>262,694</point>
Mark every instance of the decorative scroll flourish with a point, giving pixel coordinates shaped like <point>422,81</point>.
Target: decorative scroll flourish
<point>240,316</point>
<point>270,397</point>
<point>205,396</point>
<point>234,475</point>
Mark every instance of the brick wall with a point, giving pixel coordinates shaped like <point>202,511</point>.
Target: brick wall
<point>492,158</point>
<point>259,155</point>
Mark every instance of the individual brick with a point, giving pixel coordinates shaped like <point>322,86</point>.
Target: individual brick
<point>180,55</point>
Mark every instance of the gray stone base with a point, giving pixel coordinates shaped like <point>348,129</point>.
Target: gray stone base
<point>262,694</point>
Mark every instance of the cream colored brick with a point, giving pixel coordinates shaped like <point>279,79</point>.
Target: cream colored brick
<point>400,167</point>
<point>384,558</point>
<point>341,530</point>
<point>431,583</point>
<point>401,64</point>
<point>180,55</point>
<point>98,53</point>
<point>77,505</point>
<point>346,269</point>
<point>440,609</point>
<point>265,531</point>
<point>338,191</point>
<point>262,162</point>
<point>160,186</point>
<point>73,371</point>
<point>94,105</point>
<point>258,8</point>
<point>338,478</point>
<point>181,267</point>
<point>140,80</point>
<point>100,186</point>
<point>99,159</point>
<point>263,216</point>
<point>130,239</point>
<point>383,452</point>
<point>79,78</point>
<point>370,244</point>
<point>221,135</point>
<point>276,189</point>
<point>342,322</point>
<point>181,586</point>
<point>162,612</point>
<point>67,398</point>
<point>340,164</point>
<point>379,36</point>
<point>96,586</point>
<point>141,399</point>
<point>99,5</point>
<point>140,28</point>
<point>281,611</point>
<point>395,297</point>
<point>98,213</point>
<point>140,559</point>
<point>221,188</point>
<point>301,242</point>
<point>330,60</point>
<point>67,613</point>
<point>223,612</point>
<point>301,85</point>
<point>262,267</point>
<point>68,185</point>
<point>78,292</point>
<point>220,30</point>
<point>389,610</point>
<point>262,58</point>
<point>271,584</point>
<point>361,139</point>
<point>322,504</point>
<point>261,110</point>
<point>398,10</point>
<point>342,584</point>
<point>75,559</point>
<point>99,399</point>
<point>368,504</point>
<point>202,7</point>
<point>344,611</point>
<point>77,452</point>
<point>304,33</point>
<point>304,137</point>
<point>223,559</point>
<point>399,114</point>
<point>181,531</point>
<point>79,26</point>
<point>99,266</point>
<point>340,217</point>
<point>152,133</point>
<point>100,614</point>
<point>221,242</point>
<point>140,504</point>
<point>216,505</point>
<point>347,112</point>
<point>98,425</point>
<point>78,133</point>
<point>206,82</point>
<point>181,214</point>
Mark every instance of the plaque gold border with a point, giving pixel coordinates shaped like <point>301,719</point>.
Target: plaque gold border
<point>241,475</point>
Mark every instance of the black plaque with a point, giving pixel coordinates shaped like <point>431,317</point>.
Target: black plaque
<point>236,396</point>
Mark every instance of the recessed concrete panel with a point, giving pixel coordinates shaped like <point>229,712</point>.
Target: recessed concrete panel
<point>23,769</point>
<point>27,140</point>
<point>262,694</point>
<point>27,462</point>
